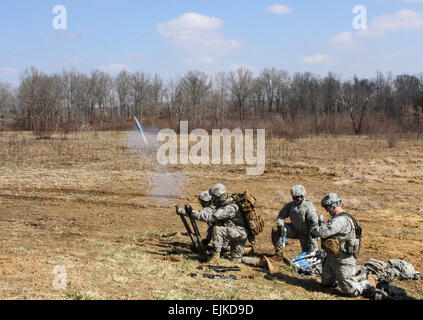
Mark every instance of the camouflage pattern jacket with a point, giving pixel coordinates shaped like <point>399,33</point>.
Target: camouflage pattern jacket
<point>228,215</point>
<point>303,217</point>
<point>340,227</point>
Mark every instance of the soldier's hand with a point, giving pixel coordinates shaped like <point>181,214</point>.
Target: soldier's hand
<point>179,210</point>
<point>188,209</point>
<point>283,230</point>
<point>321,220</point>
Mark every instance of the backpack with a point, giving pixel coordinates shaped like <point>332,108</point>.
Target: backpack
<point>246,203</point>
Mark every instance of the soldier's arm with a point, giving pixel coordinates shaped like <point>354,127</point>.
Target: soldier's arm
<point>225,213</point>
<point>283,214</point>
<point>335,226</point>
<point>312,217</point>
<point>205,215</point>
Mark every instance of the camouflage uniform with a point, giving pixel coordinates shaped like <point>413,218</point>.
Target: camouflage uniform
<point>303,218</point>
<point>228,227</point>
<point>340,268</point>
<point>206,202</point>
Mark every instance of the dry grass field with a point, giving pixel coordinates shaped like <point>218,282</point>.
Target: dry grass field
<point>99,205</point>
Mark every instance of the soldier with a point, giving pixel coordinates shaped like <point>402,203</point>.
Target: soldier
<point>207,204</point>
<point>341,245</point>
<point>303,215</point>
<point>228,228</point>
<point>228,223</point>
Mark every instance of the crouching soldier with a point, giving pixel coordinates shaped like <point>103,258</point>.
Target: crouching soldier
<point>206,203</point>
<point>304,217</point>
<point>229,227</point>
<point>341,241</point>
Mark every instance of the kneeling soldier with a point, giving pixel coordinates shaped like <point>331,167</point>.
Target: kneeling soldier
<point>339,240</point>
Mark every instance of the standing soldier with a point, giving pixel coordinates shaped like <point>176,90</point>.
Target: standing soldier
<point>303,215</point>
<point>341,241</point>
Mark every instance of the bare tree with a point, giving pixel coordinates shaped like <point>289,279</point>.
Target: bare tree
<point>123,90</point>
<point>258,96</point>
<point>240,84</point>
<point>7,104</point>
<point>282,91</point>
<point>221,89</point>
<point>356,96</point>
<point>176,99</point>
<point>41,96</point>
<point>140,89</point>
<point>196,84</point>
<point>407,90</point>
<point>157,91</point>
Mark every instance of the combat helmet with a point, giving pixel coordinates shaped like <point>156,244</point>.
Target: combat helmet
<point>331,200</point>
<point>204,197</point>
<point>219,194</point>
<point>217,190</point>
<point>298,191</point>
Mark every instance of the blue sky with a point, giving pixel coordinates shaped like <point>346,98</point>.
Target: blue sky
<point>170,37</point>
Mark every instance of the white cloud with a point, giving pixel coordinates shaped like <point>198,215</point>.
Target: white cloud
<point>113,68</point>
<point>344,40</point>
<point>402,20</point>
<point>279,9</point>
<point>198,35</point>
<point>318,58</point>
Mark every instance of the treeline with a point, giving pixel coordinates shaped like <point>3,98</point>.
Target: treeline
<point>285,104</point>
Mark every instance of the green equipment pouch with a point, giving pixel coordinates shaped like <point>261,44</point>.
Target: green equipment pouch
<point>352,246</point>
<point>331,246</point>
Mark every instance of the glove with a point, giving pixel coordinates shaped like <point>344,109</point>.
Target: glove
<point>180,211</point>
<point>188,209</point>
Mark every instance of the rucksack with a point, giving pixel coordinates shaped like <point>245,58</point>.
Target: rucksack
<point>247,204</point>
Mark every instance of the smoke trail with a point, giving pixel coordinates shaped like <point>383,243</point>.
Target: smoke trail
<point>140,130</point>
<point>166,185</point>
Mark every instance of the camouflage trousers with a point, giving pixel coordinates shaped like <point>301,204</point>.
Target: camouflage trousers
<point>308,244</point>
<point>341,269</point>
<point>235,237</point>
<point>209,238</point>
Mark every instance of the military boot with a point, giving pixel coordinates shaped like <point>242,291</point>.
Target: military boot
<point>278,256</point>
<point>248,251</point>
<point>265,263</point>
<point>214,259</point>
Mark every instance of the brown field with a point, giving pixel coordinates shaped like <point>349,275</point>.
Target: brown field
<point>100,206</point>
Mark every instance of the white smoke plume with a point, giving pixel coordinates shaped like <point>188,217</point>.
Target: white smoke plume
<point>166,185</point>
